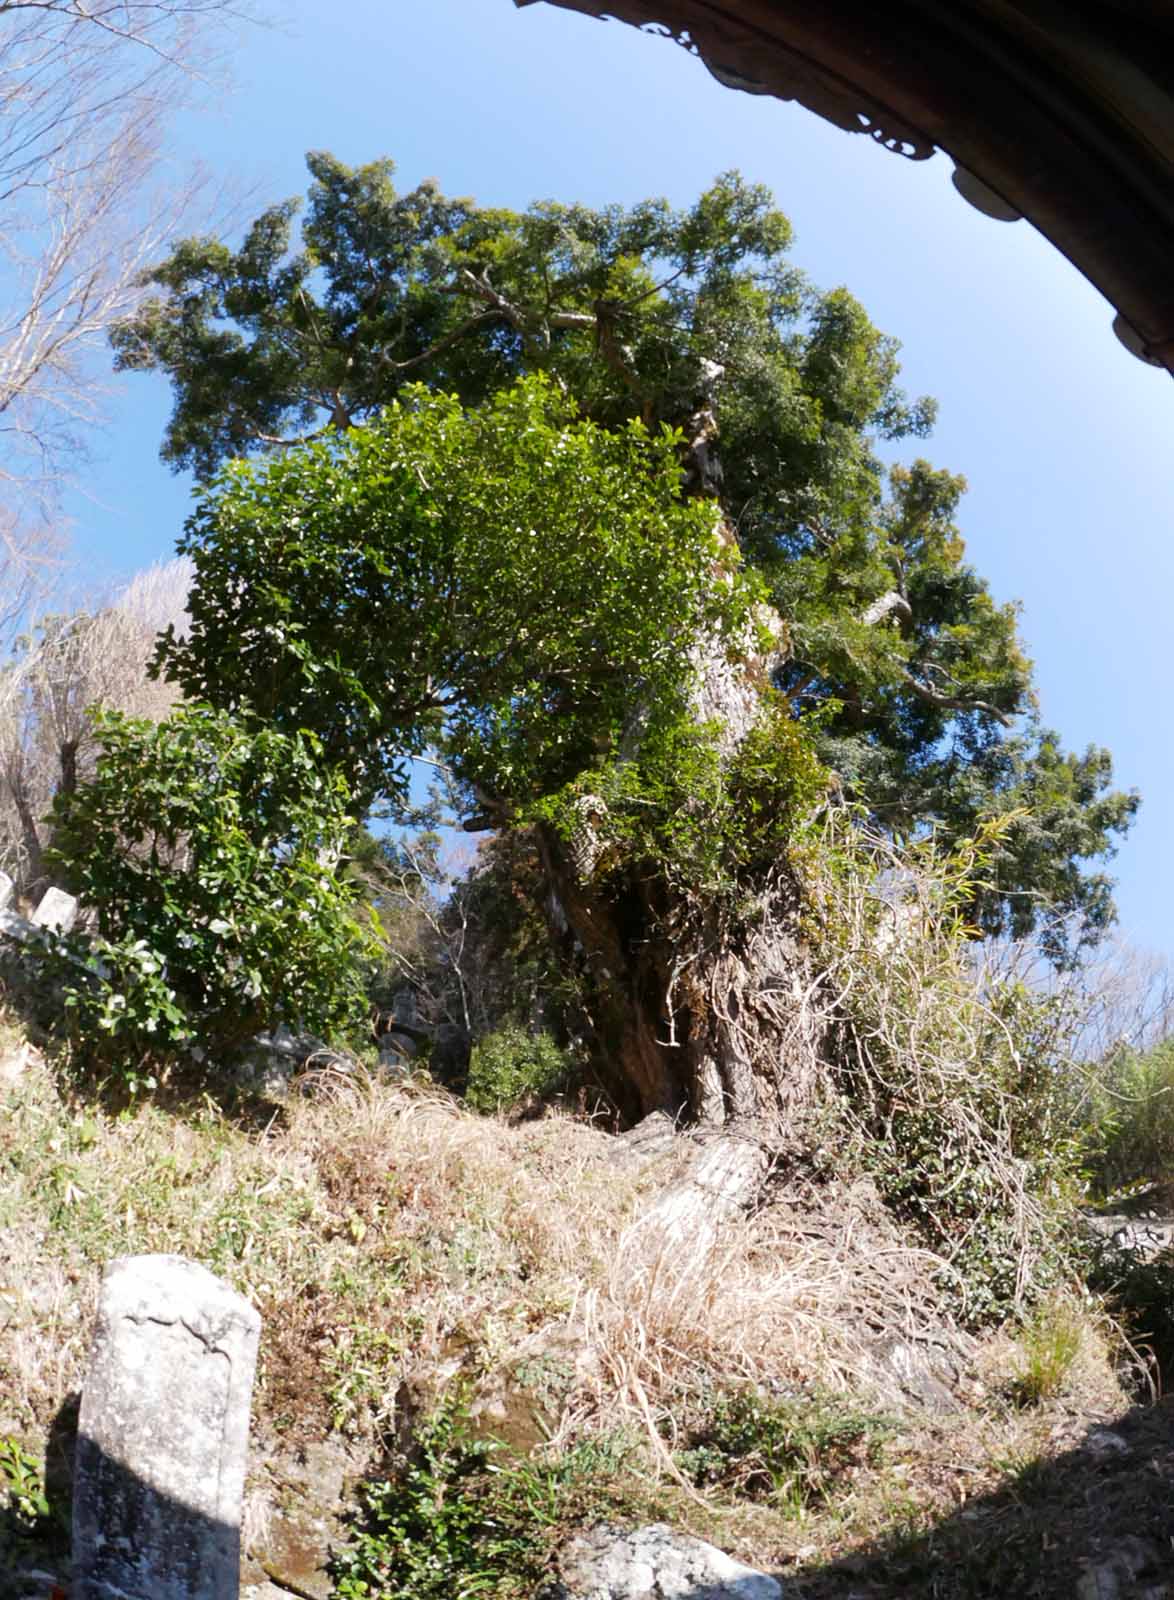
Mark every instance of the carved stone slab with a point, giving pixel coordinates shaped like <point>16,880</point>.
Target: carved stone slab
<point>162,1435</point>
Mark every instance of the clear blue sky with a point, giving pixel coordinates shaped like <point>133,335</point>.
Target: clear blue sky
<point>1064,438</point>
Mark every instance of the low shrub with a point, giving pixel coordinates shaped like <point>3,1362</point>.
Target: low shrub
<point>789,1452</point>
<point>1139,1294</point>
<point>512,1066</point>
<point>426,1531</point>
<point>458,1517</point>
<point>1048,1346</point>
<point>948,1078</point>
<point>206,852</point>
<point>1130,1120</point>
<point>23,1486</point>
<point>32,1527</point>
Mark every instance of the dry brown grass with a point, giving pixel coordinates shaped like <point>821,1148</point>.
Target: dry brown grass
<point>392,1240</point>
<point>370,1218</point>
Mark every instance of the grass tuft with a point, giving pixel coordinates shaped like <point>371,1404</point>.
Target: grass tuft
<point>1049,1345</point>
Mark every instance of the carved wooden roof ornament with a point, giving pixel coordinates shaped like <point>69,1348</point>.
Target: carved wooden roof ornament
<point>1060,111</point>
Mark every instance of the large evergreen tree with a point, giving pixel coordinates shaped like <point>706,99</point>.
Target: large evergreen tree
<point>889,654</point>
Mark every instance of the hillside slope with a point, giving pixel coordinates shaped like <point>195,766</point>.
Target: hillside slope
<point>798,1395</point>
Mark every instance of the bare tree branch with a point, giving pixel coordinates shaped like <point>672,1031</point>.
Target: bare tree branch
<point>894,603</point>
<point>601,322</point>
<point>86,87</point>
<point>478,319</point>
<point>83,654</point>
<point>955,702</point>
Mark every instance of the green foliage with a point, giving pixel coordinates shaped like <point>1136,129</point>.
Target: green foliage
<point>693,319</point>
<point>1049,1345</point>
<point>921,705</point>
<point>1139,1294</point>
<point>387,290</point>
<point>666,807</point>
<point>511,1066</point>
<point>503,578</point>
<point>34,1528</point>
<point>775,780</point>
<point>208,853</point>
<point>705,824</point>
<point>791,1452</point>
<point>1130,1119</point>
<point>427,1532</point>
<point>459,1518</point>
<point>1066,815</point>
<point>23,1483</point>
<point>365,1366</point>
<point>951,1088</point>
<point>887,611</point>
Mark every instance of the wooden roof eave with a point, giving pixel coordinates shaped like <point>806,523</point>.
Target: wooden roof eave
<point>1063,116</point>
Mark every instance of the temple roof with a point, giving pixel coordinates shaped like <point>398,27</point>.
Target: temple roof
<point>1060,111</point>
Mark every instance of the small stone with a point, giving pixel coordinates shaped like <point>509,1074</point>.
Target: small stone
<point>7,890</point>
<point>923,1373</point>
<point>1098,1583</point>
<point>1114,1578</point>
<point>57,911</point>
<point>1104,1442</point>
<point>16,926</point>
<point>607,1563</point>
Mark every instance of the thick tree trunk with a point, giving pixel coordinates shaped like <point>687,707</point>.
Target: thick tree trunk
<point>717,1174</point>
<point>708,1022</point>
<point>700,1015</point>
<point>715,1034</point>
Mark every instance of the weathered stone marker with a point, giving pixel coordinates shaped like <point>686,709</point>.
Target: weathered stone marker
<point>57,910</point>
<point>162,1435</point>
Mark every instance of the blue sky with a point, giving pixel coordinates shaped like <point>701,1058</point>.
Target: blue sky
<point>1064,438</point>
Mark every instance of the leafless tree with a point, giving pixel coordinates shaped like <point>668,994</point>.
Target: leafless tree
<point>86,201</point>
<point>75,74</point>
<point>1130,996</point>
<point>85,92</point>
<point>425,932</point>
<point>70,660</point>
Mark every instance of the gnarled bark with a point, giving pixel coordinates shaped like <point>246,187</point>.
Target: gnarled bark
<point>700,1014</point>
<point>708,1022</point>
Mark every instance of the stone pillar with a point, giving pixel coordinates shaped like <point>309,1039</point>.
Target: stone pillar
<point>162,1435</point>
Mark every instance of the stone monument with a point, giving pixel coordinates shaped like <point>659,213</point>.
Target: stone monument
<point>162,1435</point>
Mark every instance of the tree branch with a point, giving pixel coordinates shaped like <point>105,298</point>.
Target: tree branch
<point>885,606</point>
<point>457,334</point>
<point>302,438</point>
<point>954,702</point>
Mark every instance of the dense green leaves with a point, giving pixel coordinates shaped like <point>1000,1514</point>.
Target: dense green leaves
<point>695,319</point>
<point>623,305</point>
<point>507,580</point>
<point>208,854</point>
<point>1070,815</point>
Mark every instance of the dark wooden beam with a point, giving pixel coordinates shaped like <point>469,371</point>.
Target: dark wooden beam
<point>1055,110</point>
